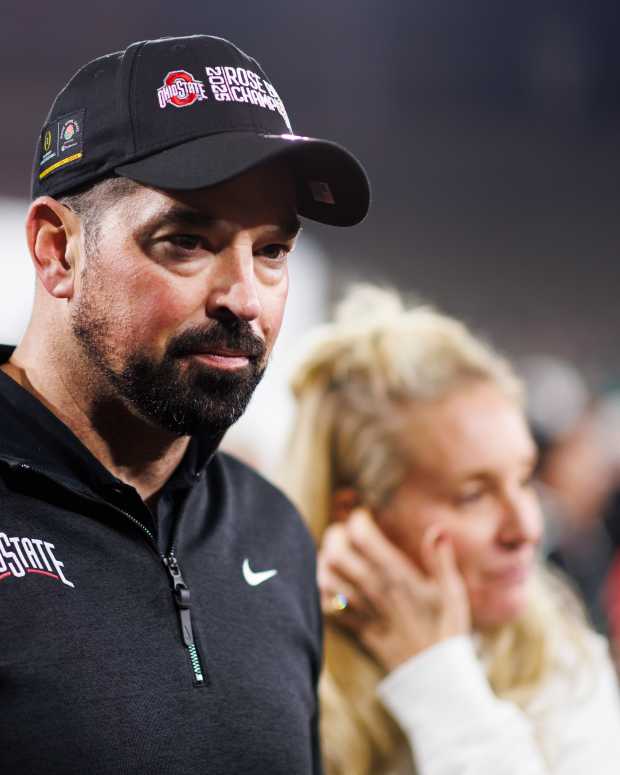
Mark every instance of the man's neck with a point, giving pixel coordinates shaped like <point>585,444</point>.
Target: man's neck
<point>134,451</point>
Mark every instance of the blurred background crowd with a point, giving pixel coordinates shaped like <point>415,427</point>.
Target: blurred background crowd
<point>490,132</point>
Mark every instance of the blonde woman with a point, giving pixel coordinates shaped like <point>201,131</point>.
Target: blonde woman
<point>448,649</point>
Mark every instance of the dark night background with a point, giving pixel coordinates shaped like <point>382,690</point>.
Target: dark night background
<point>490,132</point>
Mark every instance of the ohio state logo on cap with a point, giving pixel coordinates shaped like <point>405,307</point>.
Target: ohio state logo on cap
<point>180,89</point>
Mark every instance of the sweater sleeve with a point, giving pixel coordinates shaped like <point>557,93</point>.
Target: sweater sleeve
<point>456,725</point>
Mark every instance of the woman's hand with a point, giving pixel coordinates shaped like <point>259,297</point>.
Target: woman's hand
<point>395,608</point>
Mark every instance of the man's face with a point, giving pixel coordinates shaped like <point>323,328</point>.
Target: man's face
<point>180,303</point>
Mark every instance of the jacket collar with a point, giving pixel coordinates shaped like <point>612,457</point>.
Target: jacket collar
<point>30,433</point>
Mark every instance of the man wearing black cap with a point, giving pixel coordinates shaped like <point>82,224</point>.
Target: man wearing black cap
<point>157,598</point>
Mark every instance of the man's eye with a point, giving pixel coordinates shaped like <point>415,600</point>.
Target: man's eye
<point>185,241</point>
<point>275,252</point>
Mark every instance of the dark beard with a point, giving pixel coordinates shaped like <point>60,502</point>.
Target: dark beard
<point>180,401</point>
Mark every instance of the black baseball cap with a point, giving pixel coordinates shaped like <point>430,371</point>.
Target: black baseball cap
<point>187,113</point>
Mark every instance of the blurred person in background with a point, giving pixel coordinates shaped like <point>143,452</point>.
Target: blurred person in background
<point>576,476</point>
<point>609,416</point>
<point>449,648</point>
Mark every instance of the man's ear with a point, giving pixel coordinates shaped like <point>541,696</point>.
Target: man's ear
<point>344,500</point>
<point>53,234</point>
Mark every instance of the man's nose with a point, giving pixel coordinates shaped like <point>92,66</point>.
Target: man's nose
<point>233,285</point>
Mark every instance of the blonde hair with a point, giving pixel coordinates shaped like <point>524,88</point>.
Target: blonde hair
<point>352,386</point>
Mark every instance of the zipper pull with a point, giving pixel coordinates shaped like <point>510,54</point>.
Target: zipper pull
<point>182,600</point>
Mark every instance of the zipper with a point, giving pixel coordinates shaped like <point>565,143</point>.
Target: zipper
<point>136,522</point>
<point>182,599</point>
<point>180,588</point>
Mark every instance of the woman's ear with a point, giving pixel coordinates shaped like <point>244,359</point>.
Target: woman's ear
<point>53,233</point>
<point>344,500</point>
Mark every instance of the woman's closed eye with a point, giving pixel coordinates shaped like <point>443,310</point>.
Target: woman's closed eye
<point>471,495</point>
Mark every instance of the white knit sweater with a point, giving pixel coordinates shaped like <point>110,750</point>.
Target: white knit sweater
<point>456,725</point>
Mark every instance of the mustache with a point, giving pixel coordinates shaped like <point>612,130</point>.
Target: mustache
<point>234,335</point>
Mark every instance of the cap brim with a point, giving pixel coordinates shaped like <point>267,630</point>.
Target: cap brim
<point>332,186</point>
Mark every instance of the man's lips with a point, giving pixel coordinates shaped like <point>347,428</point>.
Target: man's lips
<point>222,358</point>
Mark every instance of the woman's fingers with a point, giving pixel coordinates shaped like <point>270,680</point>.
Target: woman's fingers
<point>439,556</point>
<point>346,554</point>
<point>382,574</point>
<point>428,549</point>
<point>395,608</point>
<point>343,569</point>
<point>386,558</point>
<point>338,593</point>
<point>341,557</point>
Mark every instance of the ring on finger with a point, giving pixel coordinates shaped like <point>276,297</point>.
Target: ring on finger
<point>337,603</point>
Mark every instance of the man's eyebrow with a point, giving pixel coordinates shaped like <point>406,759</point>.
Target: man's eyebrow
<point>179,216</point>
<point>185,216</point>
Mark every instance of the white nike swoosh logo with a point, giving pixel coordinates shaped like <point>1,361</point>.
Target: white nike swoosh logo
<point>254,578</point>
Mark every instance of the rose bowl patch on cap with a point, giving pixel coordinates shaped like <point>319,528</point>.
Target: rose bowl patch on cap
<point>187,113</point>
<point>61,143</point>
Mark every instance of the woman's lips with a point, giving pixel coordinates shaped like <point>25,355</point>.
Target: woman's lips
<point>516,574</point>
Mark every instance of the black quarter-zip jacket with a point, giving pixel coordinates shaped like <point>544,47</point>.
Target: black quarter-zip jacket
<point>142,645</point>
